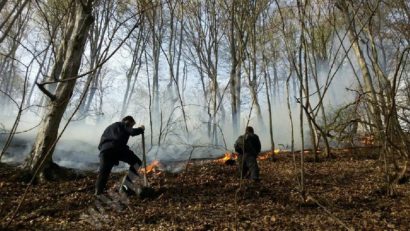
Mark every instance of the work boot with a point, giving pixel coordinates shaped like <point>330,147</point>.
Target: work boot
<point>129,187</point>
<point>128,191</point>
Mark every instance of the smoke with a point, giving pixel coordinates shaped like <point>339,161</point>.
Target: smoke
<point>78,145</point>
<point>22,141</point>
<point>336,96</point>
<point>170,141</point>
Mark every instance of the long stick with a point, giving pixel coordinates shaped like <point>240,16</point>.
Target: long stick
<point>144,161</point>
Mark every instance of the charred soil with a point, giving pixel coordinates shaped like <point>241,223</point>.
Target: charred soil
<point>209,196</point>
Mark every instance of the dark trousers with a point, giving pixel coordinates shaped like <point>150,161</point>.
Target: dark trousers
<point>248,166</point>
<point>108,159</point>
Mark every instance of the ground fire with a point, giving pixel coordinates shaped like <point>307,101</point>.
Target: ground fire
<point>267,155</point>
<point>153,167</point>
<point>228,159</point>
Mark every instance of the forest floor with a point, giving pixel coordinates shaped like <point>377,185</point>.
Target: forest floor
<point>209,196</point>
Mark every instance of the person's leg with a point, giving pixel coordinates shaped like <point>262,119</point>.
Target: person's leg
<point>133,180</point>
<point>104,171</point>
<point>130,158</point>
<point>253,167</point>
<point>243,167</point>
<point>240,165</point>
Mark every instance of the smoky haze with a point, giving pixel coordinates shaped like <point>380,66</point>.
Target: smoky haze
<point>78,145</point>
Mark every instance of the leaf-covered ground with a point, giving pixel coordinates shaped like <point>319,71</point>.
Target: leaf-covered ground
<point>209,196</point>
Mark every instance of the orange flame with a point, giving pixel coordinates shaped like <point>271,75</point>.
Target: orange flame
<point>267,155</point>
<point>151,168</point>
<point>228,156</point>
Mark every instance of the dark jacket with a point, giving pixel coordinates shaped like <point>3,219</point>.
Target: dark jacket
<point>116,136</point>
<point>249,142</point>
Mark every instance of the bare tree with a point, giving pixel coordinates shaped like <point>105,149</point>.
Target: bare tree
<point>79,24</point>
<point>381,90</point>
<point>11,42</point>
<point>204,34</point>
<point>11,16</point>
<point>173,56</point>
<point>98,42</point>
<point>269,51</point>
<point>237,13</point>
<point>154,16</point>
<point>255,9</point>
<point>136,46</point>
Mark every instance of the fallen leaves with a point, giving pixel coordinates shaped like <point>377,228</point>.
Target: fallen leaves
<point>209,196</point>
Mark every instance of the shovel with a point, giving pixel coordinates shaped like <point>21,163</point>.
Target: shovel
<point>146,191</point>
<point>128,187</point>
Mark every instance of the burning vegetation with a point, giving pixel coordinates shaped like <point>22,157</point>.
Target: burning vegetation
<point>154,167</point>
<point>228,159</point>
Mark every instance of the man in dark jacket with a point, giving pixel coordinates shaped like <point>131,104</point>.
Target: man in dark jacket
<point>113,148</point>
<point>248,146</point>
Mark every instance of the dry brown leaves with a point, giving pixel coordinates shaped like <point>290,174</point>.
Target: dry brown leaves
<point>209,196</point>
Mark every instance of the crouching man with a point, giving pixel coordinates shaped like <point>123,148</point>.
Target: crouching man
<point>248,146</point>
<point>113,148</point>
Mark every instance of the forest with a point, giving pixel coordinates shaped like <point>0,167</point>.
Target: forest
<point>324,83</point>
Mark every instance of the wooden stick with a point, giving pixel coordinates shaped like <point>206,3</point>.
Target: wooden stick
<point>144,161</point>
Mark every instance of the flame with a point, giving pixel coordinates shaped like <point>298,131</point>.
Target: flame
<point>228,156</point>
<point>151,168</point>
<point>267,155</point>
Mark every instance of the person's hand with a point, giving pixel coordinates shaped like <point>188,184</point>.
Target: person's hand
<point>142,127</point>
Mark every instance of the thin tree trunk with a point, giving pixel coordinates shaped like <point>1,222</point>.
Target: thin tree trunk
<point>130,74</point>
<point>16,16</point>
<point>368,83</point>
<point>235,81</point>
<point>2,4</point>
<point>272,142</point>
<point>17,120</point>
<point>98,34</point>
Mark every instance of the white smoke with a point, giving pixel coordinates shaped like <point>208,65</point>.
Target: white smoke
<point>78,145</point>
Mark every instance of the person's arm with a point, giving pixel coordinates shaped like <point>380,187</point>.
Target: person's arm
<point>137,131</point>
<point>238,145</point>
<point>258,144</point>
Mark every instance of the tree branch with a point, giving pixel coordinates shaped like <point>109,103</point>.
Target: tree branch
<point>46,92</point>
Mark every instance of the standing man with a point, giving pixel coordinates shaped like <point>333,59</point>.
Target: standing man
<point>113,148</point>
<point>248,146</point>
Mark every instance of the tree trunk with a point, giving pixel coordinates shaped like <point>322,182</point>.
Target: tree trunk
<point>130,74</point>
<point>272,142</point>
<point>368,83</point>
<point>40,160</point>
<point>17,14</point>
<point>237,45</point>
<point>253,80</point>
<point>98,39</point>
<point>156,21</point>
